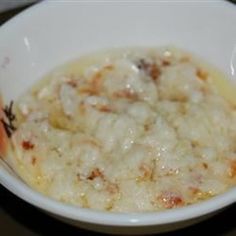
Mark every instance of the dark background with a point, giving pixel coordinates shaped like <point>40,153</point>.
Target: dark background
<point>19,218</point>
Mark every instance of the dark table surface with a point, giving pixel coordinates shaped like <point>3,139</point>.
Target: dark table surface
<point>19,218</point>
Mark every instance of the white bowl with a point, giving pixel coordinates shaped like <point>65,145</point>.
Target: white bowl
<point>54,32</point>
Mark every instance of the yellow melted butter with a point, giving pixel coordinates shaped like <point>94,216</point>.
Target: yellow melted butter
<point>223,85</point>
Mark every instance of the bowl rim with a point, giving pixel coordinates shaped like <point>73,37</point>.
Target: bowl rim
<point>23,191</point>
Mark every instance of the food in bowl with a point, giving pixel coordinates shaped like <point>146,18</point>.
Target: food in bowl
<point>129,130</point>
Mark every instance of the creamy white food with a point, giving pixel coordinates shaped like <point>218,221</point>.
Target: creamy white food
<point>127,131</point>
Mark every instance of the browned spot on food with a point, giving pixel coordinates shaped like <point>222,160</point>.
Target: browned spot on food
<point>165,62</point>
<point>170,200</point>
<point>151,69</point>
<point>94,86</point>
<point>72,83</point>
<point>95,174</point>
<point>27,145</point>
<point>108,67</point>
<point>104,108</point>
<point>194,190</point>
<point>201,74</point>
<point>194,144</point>
<point>147,127</point>
<point>96,82</point>
<point>232,169</point>
<point>155,72</point>
<point>179,98</point>
<point>205,165</point>
<point>33,160</point>
<point>184,59</point>
<point>109,206</point>
<point>126,94</point>
<point>92,142</point>
<point>146,171</point>
<point>88,90</point>
<point>232,106</point>
<point>112,188</point>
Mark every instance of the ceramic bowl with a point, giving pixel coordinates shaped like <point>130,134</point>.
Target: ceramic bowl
<point>53,32</point>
